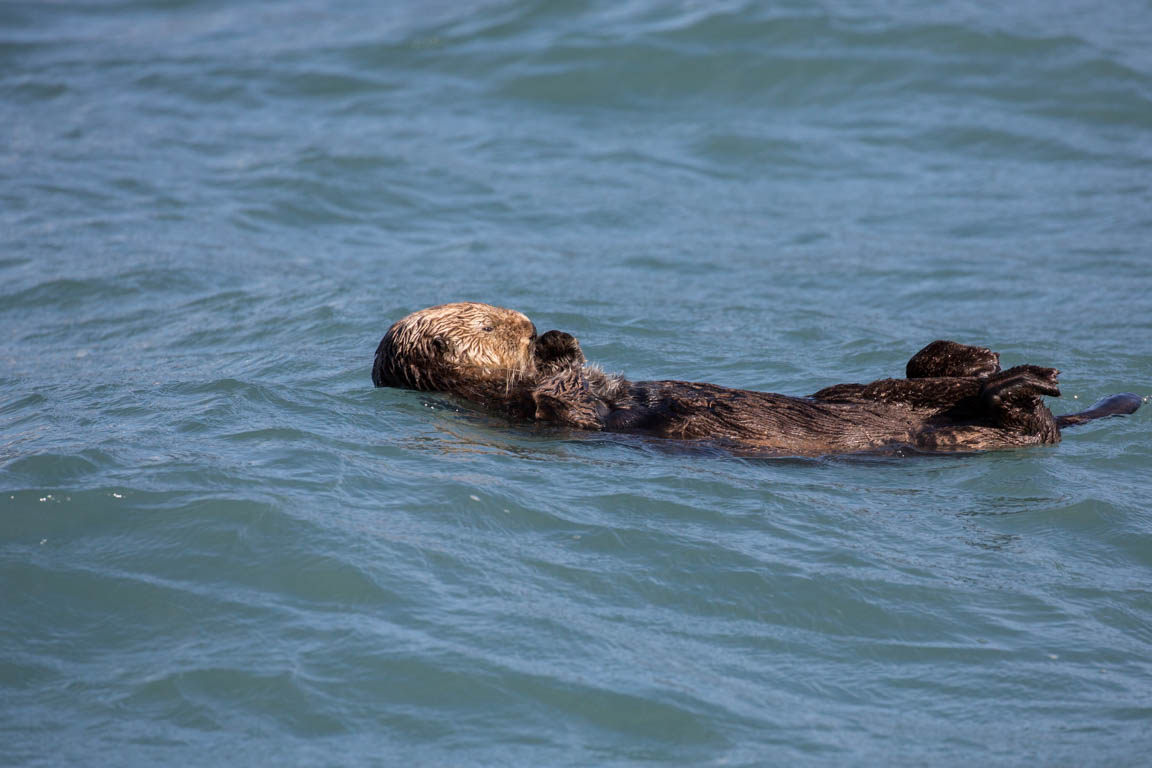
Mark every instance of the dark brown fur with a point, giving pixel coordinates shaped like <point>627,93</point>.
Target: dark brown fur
<point>955,398</point>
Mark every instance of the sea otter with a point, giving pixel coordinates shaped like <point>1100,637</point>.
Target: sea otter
<point>954,397</point>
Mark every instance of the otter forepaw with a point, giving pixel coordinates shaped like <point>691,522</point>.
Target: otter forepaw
<point>565,399</point>
<point>1020,384</point>
<point>556,350</point>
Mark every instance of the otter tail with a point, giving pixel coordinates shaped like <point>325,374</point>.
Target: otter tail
<point>1113,405</point>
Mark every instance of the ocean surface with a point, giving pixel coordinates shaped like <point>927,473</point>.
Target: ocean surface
<point>220,545</point>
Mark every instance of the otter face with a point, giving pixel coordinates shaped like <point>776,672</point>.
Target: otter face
<point>456,347</point>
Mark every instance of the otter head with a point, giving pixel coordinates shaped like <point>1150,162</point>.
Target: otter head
<point>467,348</point>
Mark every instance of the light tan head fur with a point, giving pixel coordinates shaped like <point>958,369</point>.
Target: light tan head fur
<point>460,347</point>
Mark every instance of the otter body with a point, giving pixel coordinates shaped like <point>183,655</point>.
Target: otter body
<point>955,397</point>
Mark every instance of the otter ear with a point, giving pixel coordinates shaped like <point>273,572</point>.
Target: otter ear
<point>439,344</point>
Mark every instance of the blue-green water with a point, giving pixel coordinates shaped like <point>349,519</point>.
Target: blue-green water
<point>220,545</point>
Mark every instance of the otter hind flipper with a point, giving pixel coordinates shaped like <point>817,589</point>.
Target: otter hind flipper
<point>1019,385</point>
<point>947,359</point>
<point>1114,405</point>
<point>1013,401</point>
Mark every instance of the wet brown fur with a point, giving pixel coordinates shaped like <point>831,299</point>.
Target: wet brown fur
<point>955,397</point>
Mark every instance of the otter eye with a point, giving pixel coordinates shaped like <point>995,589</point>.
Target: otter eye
<point>487,329</point>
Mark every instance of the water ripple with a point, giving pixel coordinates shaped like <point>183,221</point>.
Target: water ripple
<point>220,544</point>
